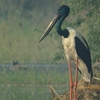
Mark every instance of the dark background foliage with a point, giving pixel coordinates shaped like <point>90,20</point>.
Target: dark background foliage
<point>23,21</point>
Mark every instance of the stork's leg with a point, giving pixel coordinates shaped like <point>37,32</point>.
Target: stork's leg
<point>71,80</point>
<point>76,79</point>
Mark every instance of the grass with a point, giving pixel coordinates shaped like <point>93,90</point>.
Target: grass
<point>33,75</point>
<point>33,82</point>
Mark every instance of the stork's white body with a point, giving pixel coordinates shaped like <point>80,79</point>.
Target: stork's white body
<point>71,53</point>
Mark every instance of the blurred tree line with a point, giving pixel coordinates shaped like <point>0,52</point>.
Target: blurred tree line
<point>28,9</point>
<point>84,15</point>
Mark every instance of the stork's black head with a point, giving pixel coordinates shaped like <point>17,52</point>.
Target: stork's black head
<point>63,10</point>
<point>62,13</point>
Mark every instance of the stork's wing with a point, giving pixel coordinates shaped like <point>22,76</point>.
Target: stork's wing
<point>83,52</point>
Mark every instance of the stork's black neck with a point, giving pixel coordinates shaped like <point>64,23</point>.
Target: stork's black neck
<point>65,32</point>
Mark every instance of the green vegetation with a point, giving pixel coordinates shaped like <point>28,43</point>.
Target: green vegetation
<point>32,82</point>
<point>33,75</point>
<point>23,21</point>
<point>20,30</point>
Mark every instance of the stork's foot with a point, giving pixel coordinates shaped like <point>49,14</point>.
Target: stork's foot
<point>71,90</point>
<point>75,90</point>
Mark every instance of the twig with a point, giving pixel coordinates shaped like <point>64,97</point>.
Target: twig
<point>54,92</point>
<point>96,78</point>
<point>53,96</point>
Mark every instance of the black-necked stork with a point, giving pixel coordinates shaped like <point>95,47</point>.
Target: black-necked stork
<point>75,46</point>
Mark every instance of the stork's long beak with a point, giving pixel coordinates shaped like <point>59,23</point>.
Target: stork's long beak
<point>50,26</point>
